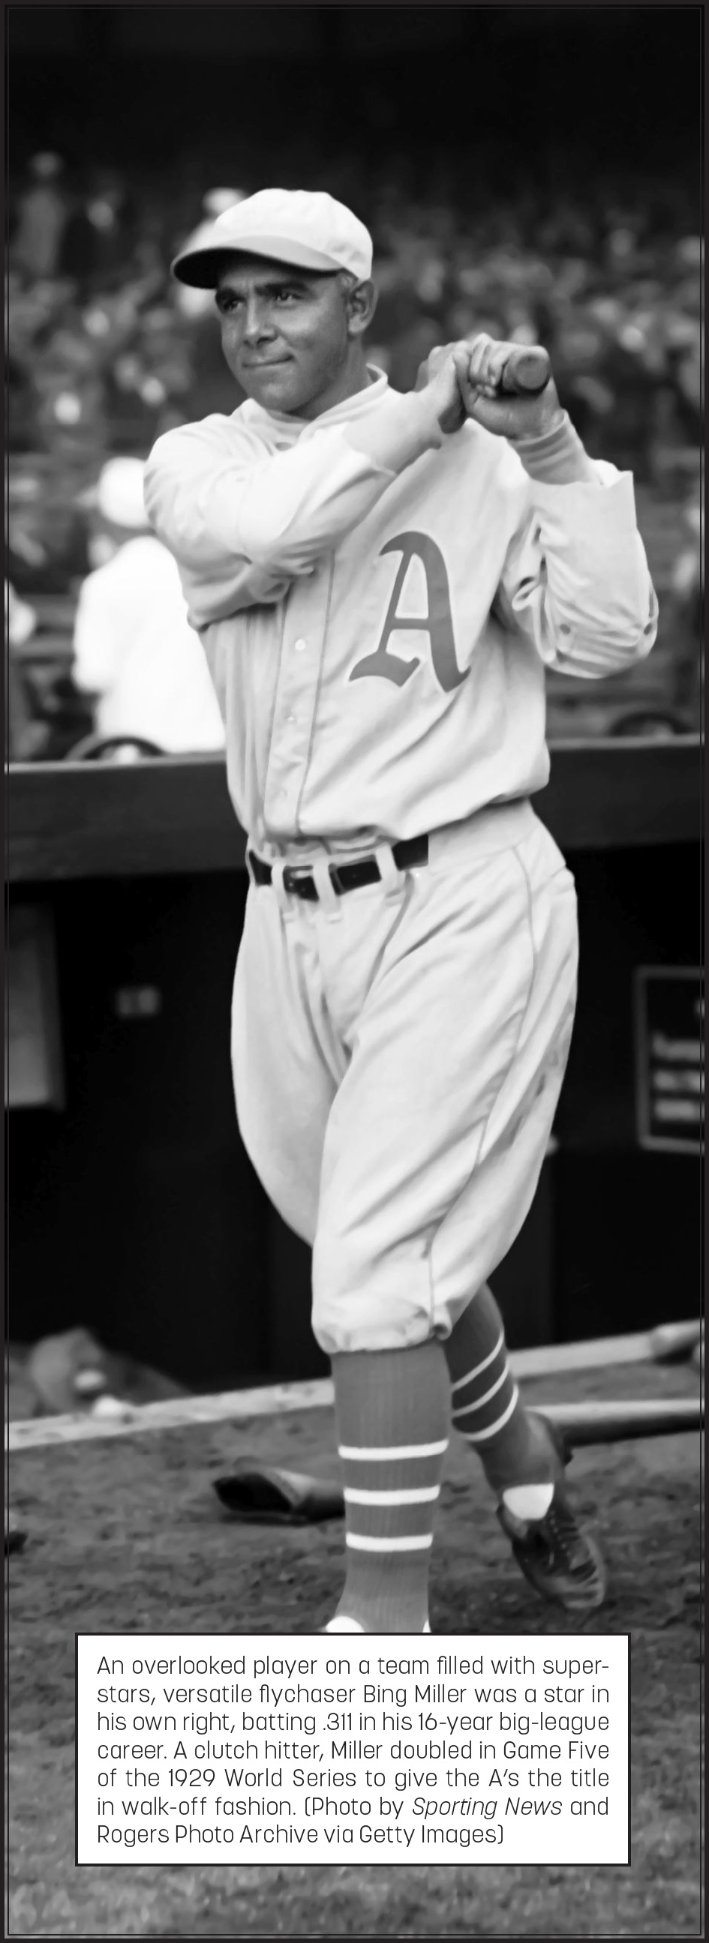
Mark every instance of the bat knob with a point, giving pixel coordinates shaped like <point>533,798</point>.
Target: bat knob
<point>526,370</point>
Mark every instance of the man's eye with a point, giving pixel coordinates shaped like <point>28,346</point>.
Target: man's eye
<point>286,297</point>
<point>227,305</point>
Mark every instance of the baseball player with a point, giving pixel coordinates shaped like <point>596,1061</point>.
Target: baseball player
<point>379,582</point>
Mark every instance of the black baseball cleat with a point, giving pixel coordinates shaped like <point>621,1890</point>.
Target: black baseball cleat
<point>555,1553</point>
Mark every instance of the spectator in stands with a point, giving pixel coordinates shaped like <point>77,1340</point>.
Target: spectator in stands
<point>41,220</point>
<point>133,647</point>
<point>100,236</point>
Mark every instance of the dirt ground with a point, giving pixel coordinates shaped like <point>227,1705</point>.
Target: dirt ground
<point>127,1535</point>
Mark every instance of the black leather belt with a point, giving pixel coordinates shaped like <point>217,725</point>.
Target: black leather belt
<point>299,878</point>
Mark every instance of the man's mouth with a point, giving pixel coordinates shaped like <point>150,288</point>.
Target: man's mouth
<point>264,364</point>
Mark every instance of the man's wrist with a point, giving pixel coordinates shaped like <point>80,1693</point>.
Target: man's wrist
<point>559,419</point>
<point>557,457</point>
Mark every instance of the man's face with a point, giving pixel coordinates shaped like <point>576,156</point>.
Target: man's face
<point>285,334</point>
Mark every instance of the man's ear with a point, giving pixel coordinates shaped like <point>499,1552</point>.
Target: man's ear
<point>361,305</point>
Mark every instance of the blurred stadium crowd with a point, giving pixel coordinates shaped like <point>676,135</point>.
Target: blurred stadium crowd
<point>106,352</point>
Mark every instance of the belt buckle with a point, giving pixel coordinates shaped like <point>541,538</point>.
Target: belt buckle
<point>295,874</point>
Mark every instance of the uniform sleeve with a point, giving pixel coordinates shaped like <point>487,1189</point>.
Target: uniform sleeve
<point>244,523</point>
<point>576,577</point>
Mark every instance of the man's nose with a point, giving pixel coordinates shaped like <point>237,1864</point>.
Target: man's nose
<point>257,325</point>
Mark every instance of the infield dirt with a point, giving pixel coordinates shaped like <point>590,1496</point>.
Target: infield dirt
<point>127,1535</point>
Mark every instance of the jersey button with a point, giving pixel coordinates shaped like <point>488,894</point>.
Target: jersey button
<point>299,646</point>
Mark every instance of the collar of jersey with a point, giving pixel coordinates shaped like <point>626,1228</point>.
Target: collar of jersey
<point>354,407</point>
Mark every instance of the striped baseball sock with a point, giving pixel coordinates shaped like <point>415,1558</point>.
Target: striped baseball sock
<point>393,1413</point>
<point>511,1442</point>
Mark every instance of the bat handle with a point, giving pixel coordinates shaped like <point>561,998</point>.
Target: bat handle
<point>527,369</point>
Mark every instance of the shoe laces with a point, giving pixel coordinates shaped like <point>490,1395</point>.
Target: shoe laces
<point>566,1543</point>
<point>557,1529</point>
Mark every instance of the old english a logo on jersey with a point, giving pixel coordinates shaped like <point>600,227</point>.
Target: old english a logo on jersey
<point>436,622</point>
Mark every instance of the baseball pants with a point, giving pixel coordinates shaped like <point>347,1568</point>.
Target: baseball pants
<point>398,1056</point>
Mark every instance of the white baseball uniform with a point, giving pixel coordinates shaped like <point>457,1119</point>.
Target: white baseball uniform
<point>134,649</point>
<point>378,604</point>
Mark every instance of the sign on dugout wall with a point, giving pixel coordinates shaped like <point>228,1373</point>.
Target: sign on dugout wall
<point>669,1019</point>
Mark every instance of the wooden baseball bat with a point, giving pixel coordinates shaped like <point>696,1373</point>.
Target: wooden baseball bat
<point>614,1423</point>
<point>526,369</point>
<point>674,1341</point>
<point>256,1492</point>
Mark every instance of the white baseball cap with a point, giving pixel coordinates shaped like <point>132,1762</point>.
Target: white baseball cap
<point>309,230</point>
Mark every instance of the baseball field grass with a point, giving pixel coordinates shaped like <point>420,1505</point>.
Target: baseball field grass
<point>127,1535</point>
